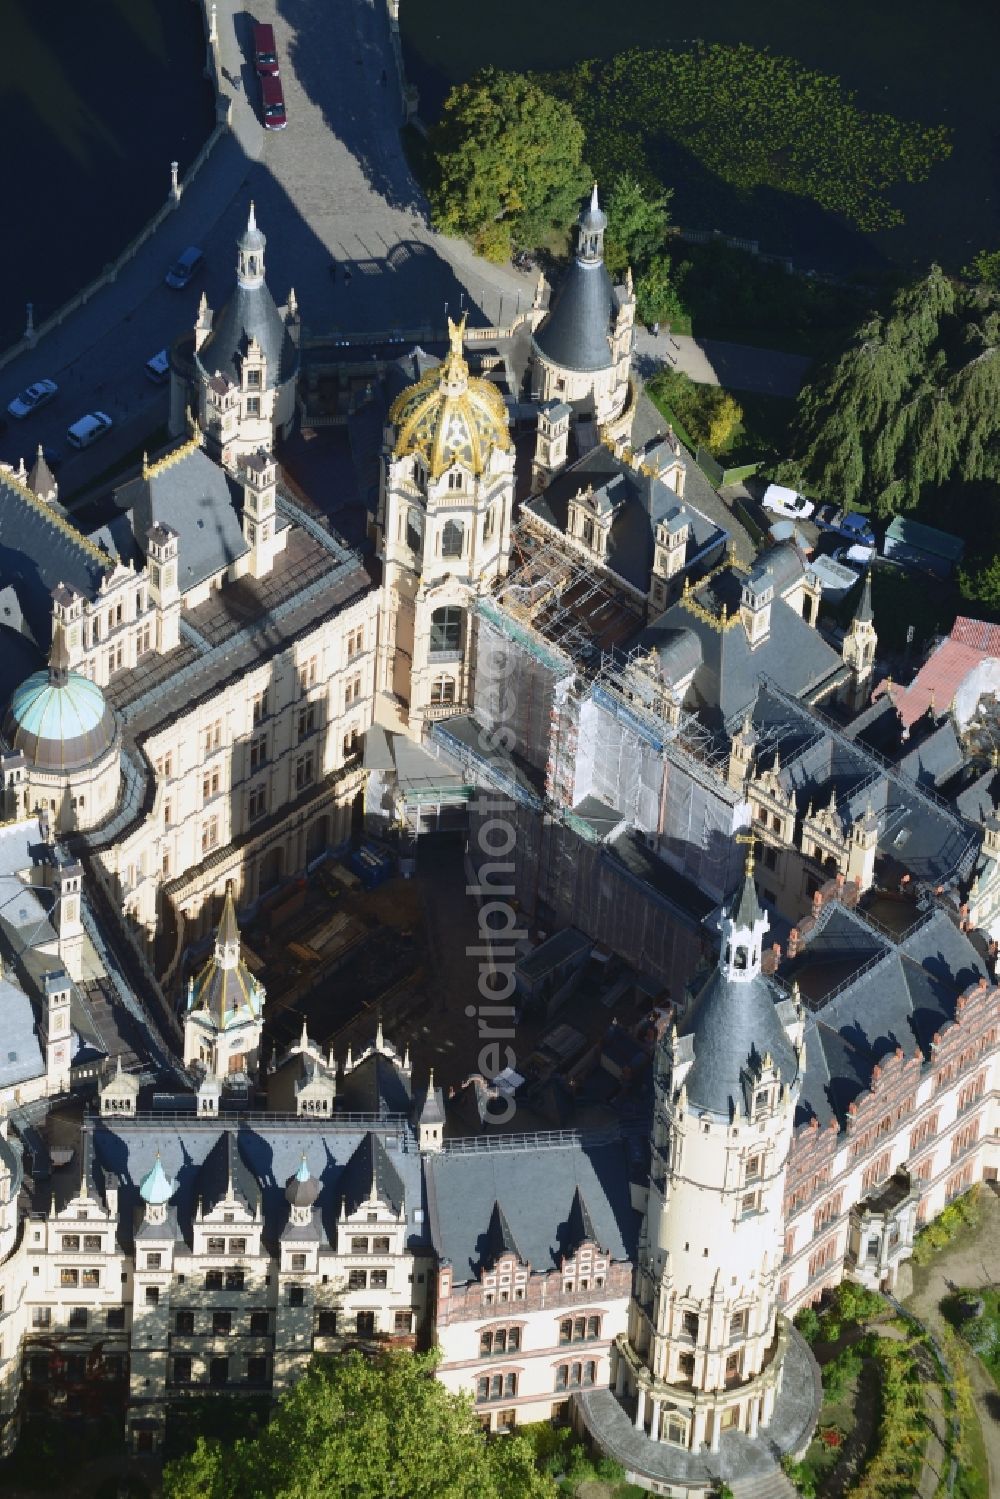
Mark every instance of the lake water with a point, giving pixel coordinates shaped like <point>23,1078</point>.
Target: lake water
<point>918,59</point>
<point>96,100</point>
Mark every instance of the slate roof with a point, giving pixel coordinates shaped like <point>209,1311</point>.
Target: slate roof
<point>249,313</point>
<point>38,550</point>
<point>375,1086</point>
<point>900,994</point>
<point>535,1183</point>
<point>638,502</point>
<point>935,757</point>
<point>198,500</point>
<point>726,676</point>
<point>917,831</point>
<point>370,1174</point>
<point>20,1053</point>
<point>576,332</point>
<point>731,1025</point>
<point>194,1153</point>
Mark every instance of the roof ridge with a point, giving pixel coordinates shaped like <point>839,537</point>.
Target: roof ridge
<point>39,506</point>
<point>184,450</point>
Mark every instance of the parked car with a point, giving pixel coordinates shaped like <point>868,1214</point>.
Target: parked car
<point>185,267</point>
<point>846,523</point>
<point>782,501</point>
<point>158,368</point>
<point>273,101</point>
<point>88,429</point>
<point>854,556</point>
<point>31,398</point>
<point>265,53</point>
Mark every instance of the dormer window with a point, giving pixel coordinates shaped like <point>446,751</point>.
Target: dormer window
<point>741,957</point>
<point>588,531</point>
<point>253,379</point>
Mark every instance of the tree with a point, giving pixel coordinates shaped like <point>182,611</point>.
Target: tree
<point>506,152</point>
<point>359,1428</point>
<point>724,419</point>
<point>909,414</point>
<point>984,266</point>
<point>637,224</point>
<point>656,297</point>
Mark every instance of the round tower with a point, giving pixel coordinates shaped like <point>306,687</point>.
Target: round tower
<point>706,1345</point>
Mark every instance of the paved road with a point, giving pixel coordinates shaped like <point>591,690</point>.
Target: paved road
<point>712,361</point>
<point>333,186</point>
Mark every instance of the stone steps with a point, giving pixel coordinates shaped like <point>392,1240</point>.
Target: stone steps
<point>773,1485</point>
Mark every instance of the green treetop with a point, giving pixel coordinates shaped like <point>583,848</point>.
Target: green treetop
<point>358,1428</point>
<point>508,163</point>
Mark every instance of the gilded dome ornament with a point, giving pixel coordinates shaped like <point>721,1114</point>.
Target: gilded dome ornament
<point>450,416</point>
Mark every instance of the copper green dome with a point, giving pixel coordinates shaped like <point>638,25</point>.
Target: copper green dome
<point>57,719</point>
<point>449,416</point>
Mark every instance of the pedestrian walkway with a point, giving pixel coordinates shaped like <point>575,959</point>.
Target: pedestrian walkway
<point>711,361</point>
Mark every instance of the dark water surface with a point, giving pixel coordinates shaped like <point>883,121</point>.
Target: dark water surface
<point>96,100</point>
<point>917,59</point>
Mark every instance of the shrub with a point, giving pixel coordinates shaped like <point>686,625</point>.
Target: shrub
<point>964,1212</point>
<point>807,1322</point>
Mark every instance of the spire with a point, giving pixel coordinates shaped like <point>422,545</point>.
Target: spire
<point>58,656</point>
<point>863,614</point>
<point>303,1173</point>
<point>156,1188</point>
<point>304,1038</point>
<point>227,938</point>
<point>499,1239</point>
<point>746,909</point>
<point>592,226</point>
<point>579,1225</point>
<point>250,256</point>
<point>379,1038</point>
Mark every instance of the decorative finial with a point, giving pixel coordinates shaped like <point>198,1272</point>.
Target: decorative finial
<point>145,464</point>
<point>456,333</point>
<point>594,205</point>
<point>749,839</point>
<point>251,221</point>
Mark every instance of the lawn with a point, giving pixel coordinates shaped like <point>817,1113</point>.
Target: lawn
<point>982,1332</point>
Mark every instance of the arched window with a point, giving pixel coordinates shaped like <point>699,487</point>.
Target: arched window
<point>414,529</point>
<point>489,521</point>
<point>446,629</point>
<point>443,690</point>
<point>453,539</point>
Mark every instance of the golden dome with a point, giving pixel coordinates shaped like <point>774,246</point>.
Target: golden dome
<point>450,417</point>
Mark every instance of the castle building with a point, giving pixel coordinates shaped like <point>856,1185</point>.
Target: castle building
<point>707,1356</point>
<point>581,352</point>
<point>239,374</point>
<point>444,535</point>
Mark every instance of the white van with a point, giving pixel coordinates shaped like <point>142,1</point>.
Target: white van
<point>88,429</point>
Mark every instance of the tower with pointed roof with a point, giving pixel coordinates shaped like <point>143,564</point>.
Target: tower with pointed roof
<point>705,1350</point>
<point>225,1007</point>
<point>239,374</point>
<point>444,522</point>
<point>859,647</point>
<point>582,345</point>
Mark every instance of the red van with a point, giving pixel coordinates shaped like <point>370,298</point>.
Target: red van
<point>265,54</point>
<point>273,100</point>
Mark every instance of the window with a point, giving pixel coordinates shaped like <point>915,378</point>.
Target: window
<point>41,1316</point>
<point>216,1246</point>
<point>359,1246</point>
<point>443,690</point>
<point>256,803</point>
<point>308,673</point>
<point>489,522</point>
<point>326,1323</point>
<point>686,1365</point>
<point>253,379</point>
<point>78,1318</point>
<point>307,721</point>
<point>296,1296</point>
<point>365,1324</point>
<point>305,771</point>
<point>237,1246</point>
<point>71,1242</point>
<point>452,539</point>
<point>380,1245</point>
<point>403,1322</point>
<point>689,1324</point>
<point>222,1324</point>
<point>259,1324</point>
<point>738,1325</point>
<point>588,531</point>
<point>182,1369</point>
<point>257,1369</point>
<point>213,1280</point>
<point>210,784</point>
<point>212,736</point>
<point>258,752</point>
<point>298,1262</point>
<point>235,1280</point>
<point>875,1173</point>
<point>153,1261</point>
<point>456,479</point>
<point>414,529</point>
<point>209,834</point>
<point>115,1318</point>
<point>754,1167</point>
<point>352,691</point>
<point>260,711</point>
<point>357,1280</point>
<point>152,1295</point>
<point>378,1280</point>
<point>446,629</point>
<point>355,643</point>
<point>352,744</point>
<point>69,1277</point>
<point>184,1324</point>
<point>573,1376</point>
<point>749,1204</point>
<point>253,405</point>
